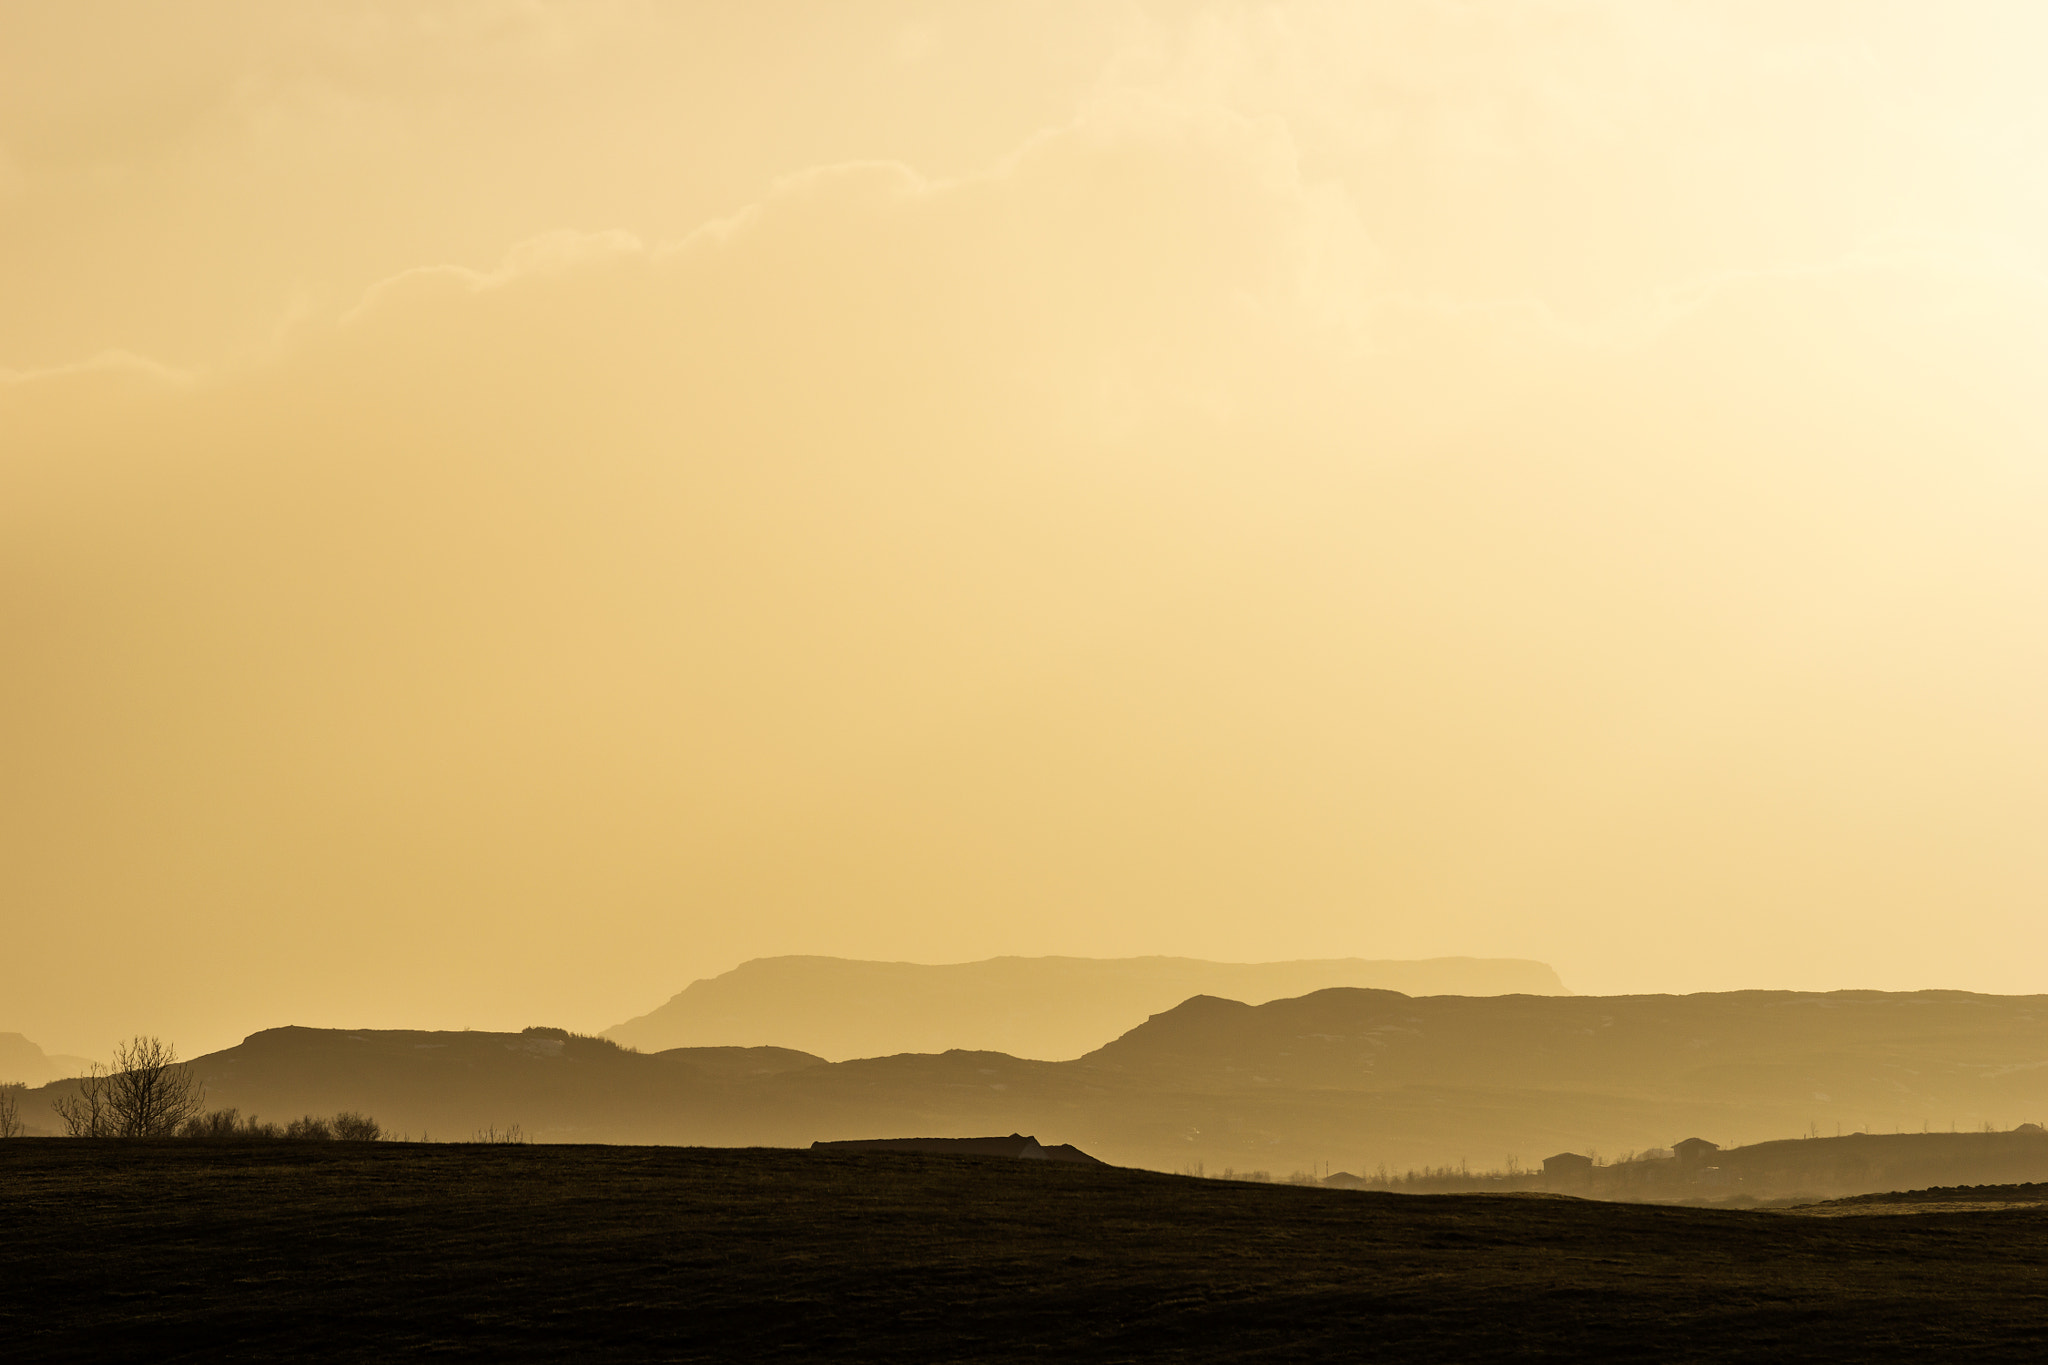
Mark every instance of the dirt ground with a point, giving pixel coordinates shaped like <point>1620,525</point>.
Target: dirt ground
<point>341,1251</point>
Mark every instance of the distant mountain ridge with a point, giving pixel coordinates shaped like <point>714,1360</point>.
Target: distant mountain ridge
<point>21,1060</point>
<point>1358,1078</point>
<point>1040,1007</point>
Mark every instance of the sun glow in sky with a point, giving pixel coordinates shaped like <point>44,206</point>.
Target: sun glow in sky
<point>508,506</point>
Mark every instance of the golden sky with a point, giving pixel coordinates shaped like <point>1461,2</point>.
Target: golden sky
<point>507,506</point>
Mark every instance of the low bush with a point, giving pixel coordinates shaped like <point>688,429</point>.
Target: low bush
<point>350,1126</point>
<point>571,1036</point>
<point>228,1125</point>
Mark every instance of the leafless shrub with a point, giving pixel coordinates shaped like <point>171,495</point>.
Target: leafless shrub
<point>219,1126</point>
<point>350,1126</point>
<point>495,1134</point>
<point>227,1125</point>
<point>10,1109</point>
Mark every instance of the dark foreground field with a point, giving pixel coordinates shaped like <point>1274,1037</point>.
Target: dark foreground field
<point>335,1251</point>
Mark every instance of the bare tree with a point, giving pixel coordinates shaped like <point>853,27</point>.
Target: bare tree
<point>148,1093</point>
<point>153,1091</point>
<point>88,1112</point>
<point>10,1109</point>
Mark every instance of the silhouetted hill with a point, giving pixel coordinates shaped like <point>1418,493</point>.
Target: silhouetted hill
<point>1842,1056</point>
<point>1050,1007</point>
<point>1862,1162</point>
<point>448,1085</point>
<point>1354,1078</point>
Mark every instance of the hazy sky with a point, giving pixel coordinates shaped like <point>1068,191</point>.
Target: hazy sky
<point>509,506</point>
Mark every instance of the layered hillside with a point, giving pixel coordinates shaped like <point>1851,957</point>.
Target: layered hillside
<point>1046,1007</point>
<point>1866,1056</point>
<point>1354,1078</point>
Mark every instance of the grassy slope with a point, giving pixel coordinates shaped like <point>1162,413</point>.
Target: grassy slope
<point>334,1252</point>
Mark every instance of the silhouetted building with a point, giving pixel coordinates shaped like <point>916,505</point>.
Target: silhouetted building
<point>1568,1166</point>
<point>1694,1151</point>
<point>1015,1146</point>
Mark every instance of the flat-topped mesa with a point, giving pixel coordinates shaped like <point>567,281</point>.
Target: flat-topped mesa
<point>1868,1054</point>
<point>1042,1007</point>
<point>1015,1147</point>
